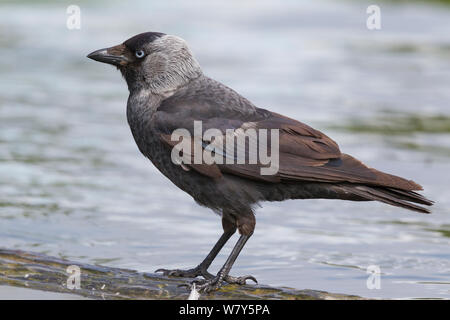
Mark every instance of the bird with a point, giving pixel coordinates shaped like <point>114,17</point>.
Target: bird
<point>168,91</point>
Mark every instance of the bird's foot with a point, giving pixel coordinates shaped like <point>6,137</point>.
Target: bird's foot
<point>189,273</point>
<point>215,282</point>
<point>206,285</point>
<point>239,280</point>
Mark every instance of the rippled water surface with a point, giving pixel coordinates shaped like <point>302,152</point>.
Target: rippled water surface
<point>73,184</point>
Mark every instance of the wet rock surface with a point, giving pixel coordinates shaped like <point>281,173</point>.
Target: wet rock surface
<point>42,272</point>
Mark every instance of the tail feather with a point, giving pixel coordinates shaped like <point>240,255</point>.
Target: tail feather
<point>394,197</point>
<point>410,196</point>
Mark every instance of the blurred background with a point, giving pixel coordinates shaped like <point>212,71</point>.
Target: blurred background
<point>73,183</point>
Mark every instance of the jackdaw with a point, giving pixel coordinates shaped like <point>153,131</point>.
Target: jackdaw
<point>168,91</point>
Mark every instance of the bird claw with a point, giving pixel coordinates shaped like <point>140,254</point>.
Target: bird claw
<point>239,280</point>
<point>209,283</point>
<point>206,285</point>
<point>190,273</point>
<point>216,282</point>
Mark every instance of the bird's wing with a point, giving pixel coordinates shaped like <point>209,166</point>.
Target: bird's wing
<point>305,154</point>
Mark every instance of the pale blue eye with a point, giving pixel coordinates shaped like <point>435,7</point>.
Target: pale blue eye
<point>140,53</point>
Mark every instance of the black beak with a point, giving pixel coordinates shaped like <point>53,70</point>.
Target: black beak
<point>115,55</point>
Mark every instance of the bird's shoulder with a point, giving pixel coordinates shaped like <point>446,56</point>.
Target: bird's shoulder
<point>206,98</point>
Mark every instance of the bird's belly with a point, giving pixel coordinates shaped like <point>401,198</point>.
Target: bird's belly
<point>228,192</point>
<point>196,185</point>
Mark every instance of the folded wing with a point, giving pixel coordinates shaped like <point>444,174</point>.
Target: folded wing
<point>305,154</point>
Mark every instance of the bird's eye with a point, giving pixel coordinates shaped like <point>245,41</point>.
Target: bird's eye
<point>140,53</point>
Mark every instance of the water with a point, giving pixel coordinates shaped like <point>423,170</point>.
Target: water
<point>73,184</point>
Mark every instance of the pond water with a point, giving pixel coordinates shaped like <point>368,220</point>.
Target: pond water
<point>73,183</point>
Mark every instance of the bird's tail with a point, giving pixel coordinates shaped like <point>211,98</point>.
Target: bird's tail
<point>395,197</point>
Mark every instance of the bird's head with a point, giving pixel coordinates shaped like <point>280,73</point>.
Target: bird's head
<point>154,61</point>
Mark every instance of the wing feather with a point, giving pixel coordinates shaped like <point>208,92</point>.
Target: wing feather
<point>305,154</point>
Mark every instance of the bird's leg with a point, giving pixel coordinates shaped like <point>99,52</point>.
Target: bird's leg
<point>201,269</point>
<point>215,282</point>
<point>246,226</point>
<point>229,229</point>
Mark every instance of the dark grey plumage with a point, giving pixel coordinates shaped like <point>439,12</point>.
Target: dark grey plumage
<point>169,91</point>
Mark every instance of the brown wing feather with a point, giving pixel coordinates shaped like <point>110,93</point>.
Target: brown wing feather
<point>344,169</point>
<point>300,139</point>
<point>305,154</point>
<point>308,154</point>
